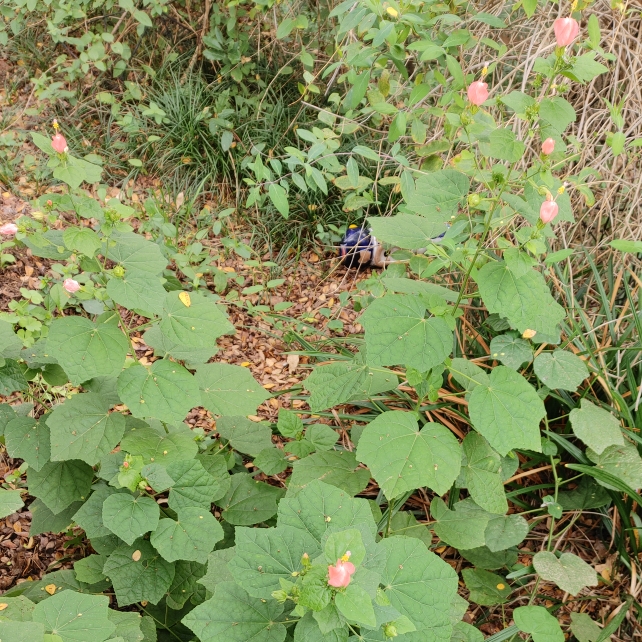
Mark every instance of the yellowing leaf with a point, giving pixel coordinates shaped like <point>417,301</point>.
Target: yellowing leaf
<point>3,606</point>
<point>50,588</point>
<point>528,334</point>
<point>136,556</point>
<point>392,12</point>
<point>185,299</point>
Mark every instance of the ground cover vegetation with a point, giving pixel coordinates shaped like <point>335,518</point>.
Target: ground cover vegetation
<point>458,454</point>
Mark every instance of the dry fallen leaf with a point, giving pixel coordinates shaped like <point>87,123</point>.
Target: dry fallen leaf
<point>136,556</point>
<point>293,362</point>
<point>3,606</point>
<point>50,588</point>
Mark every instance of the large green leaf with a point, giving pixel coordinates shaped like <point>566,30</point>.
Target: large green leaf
<point>136,254</point>
<point>18,609</point>
<point>81,239</point>
<point>596,427</point>
<point>217,569</point>
<point>411,286</point>
<point>560,369</point>
<point>336,467</point>
<point>12,378</point>
<point>166,391</point>
<point>44,521</point>
<point>83,428</point>
<point>486,588</point>
<point>588,494</point>
<point>249,437</point>
<point>229,390</point>
<point>482,474</point>
<point>342,381</point>
<point>10,502</point>
<point>463,527</point>
<point>623,462</point>
<point>90,569</point>
<point>60,484</point>
<point>90,515</point>
<point>85,350</point>
<point>308,630</point>
<point>505,531</point>
<point>406,230</point>
<point>234,616</point>
<point>568,571</point>
<point>504,145</point>
<point>28,439</point>
<point>402,457</point>
<point>483,557</point>
<point>197,325</point>
<point>138,291</point>
<point>537,621</point>
<point>185,583</point>
<point>583,628</point>
<point>75,617</point>
<point>397,332</point>
<point>128,625</point>
<point>164,448</point>
<point>319,506</point>
<point>511,350</point>
<point>266,555</point>
<point>420,585</point>
<point>193,485</point>
<point>356,605</point>
<point>507,412</point>
<point>163,346</point>
<point>438,195</point>
<point>138,573</point>
<point>191,537</point>
<point>525,300</point>
<point>10,342</point>
<point>248,501</point>
<point>406,524</point>
<point>557,112</point>
<point>22,631</point>
<point>130,517</point>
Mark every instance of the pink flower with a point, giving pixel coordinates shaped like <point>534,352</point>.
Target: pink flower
<point>8,229</point>
<point>340,574</point>
<point>548,146</point>
<point>71,286</point>
<point>478,92</point>
<point>59,143</point>
<point>548,211</point>
<point>566,30</point>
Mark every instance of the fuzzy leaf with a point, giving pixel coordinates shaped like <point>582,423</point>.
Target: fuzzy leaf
<point>507,412</point>
<point>560,369</point>
<point>60,484</point>
<point>482,473</point>
<point>596,427</point>
<point>146,578</point>
<point>85,350</point>
<point>402,457</point>
<point>569,572</point>
<point>135,253</point>
<point>248,501</point>
<point>229,390</point>
<point>397,332</point>
<point>537,621</point>
<point>193,485</point>
<point>160,448</point>
<point>10,502</point>
<point>439,194</point>
<point>623,462</point>
<point>463,527</point>
<point>166,391</point>
<point>486,588</point>
<point>138,291</point>
<point>28,439</point>
<point>338,468</point>
<point>191,537</point>
<point>510,350</point>
<point>246,436</point>
<point>130,517</point>
<point>505,531</point>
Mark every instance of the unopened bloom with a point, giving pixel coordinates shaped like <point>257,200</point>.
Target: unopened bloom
<point>548,146</point>
<point>8,229</point>
<point>548,211</point>
<point>59,143</point>
<point>566,30</point>
<point>478,92</point>
<point>71,286</point>
<point>340,574</point>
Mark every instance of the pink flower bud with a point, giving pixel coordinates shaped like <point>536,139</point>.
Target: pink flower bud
<point>340,574</point>
<point>478,92</point>
<point>566,30</point>
<point>8,229</point>
<point>71,286</point>
<point>548,146</point>
<point>548,211</point>
<point>59,143</point>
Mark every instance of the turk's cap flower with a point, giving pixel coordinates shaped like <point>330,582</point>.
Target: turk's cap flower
<point>71,285</point>
<point>478,92</point>
<point>59,143</point>
<point>8,229</point>
<point>340,574</point>
<point>566,30</point>
<point>548,211</point>
<point>548,146</point>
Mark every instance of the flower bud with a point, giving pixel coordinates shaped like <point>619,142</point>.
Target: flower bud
<point>548,211</point>
<point>71,286</point>
<point>548,146</point>
<point>478,92</point>
<point>8,229</point>
<point>280,595</point>
<point>59,144</point>
<point>474,200</point>
<point>119,271</point>
<point>390,630</point>
<point>566,30</point>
